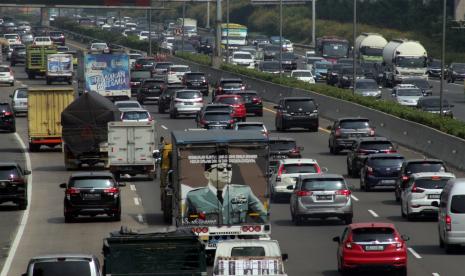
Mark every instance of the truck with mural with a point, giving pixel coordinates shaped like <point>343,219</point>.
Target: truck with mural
<point>217,185</point>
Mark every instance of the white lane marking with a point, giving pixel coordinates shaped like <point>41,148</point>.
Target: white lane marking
<point>133,187</point>
<point>354,197</point>
<point>140,218</point>
<point>165,128</point>
<point>24,218</point>
<point>136,201</point>
<point>373,213</point>
<point>414,253</point>
<point>435,274</point>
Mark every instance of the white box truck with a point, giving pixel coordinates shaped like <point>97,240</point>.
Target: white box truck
<point>130,148</point>
<point>59,68</point>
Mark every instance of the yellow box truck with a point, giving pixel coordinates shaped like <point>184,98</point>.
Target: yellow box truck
<point>44,115</point>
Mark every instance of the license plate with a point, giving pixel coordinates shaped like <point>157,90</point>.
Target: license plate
<point>90,196</point>
<point>388,181</point>
<point>434,196</point>
<point>188,103</point>
<point>324,197</point>
<point>374,247</point>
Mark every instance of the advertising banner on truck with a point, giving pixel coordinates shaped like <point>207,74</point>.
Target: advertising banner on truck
<point>107,74</point>
<point>60,64</point>
<point>223,186</point>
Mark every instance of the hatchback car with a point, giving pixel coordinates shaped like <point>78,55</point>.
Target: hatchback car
<point>185,102</point>
<point>19,100</point>
<point>6,75</point>
<point>303,75</point>
<point>42,41</point>
<point>419,193</point>
<point>406,94</point>
<point>135,115</point>
<point>284,147</point>
<point>380,170</point>
<point>422,83</point>
<point>150,90</point>
<point>92,194</point>
<point>345,132</point>
<point>127,104</point>
<point>253,102</point>
<point>161,67</point>
<point>57,37</point>
<point>164,101</point>
<point>13,184</point>
<point>197,81</point>
<point>64,264</point>
<point>321,196</point>
<point>216,120</point>
<point>99,47</point>
<point>214,107</point>
<point>237,102</point>
<point>259,126</point>
<point>228,86</point>
<point>145,64</point>
<point>432,104</point>
<point>7,118</point>
<point>18,55</point>
<point>370,246</point>
<point>296,112</point>
<point>288,170</point>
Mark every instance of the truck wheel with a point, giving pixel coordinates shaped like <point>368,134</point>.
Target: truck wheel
<point>70,81</point>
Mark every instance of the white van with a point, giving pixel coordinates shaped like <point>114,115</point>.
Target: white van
<point>451,219</point>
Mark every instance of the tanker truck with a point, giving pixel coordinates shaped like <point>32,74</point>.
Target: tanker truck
<point>403,59</point>
<point>369,47</point>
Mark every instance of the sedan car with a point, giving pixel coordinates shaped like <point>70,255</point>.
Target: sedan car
<point>407,94</point>
<point>144,64</point>
<point>345,132</point>
<point>6,75</point>
<point>216,120</point>
<point>19,100</point>
<point>214,107</point>
<point>91,194</point>
<point>432,104</point>
<point>150,90</point>
<point>303,75</point>
<point>367,88</point>
<point>237,102</point>
<point>270,66</point>
<point>456,71</point>
<point>244,59</point>
<point>321,196</point>
<point>185,102</point>
<point>288,60</point>
<point>137,77</point>
<point>135,115</point>
<point>161,67</point>
<point>178,71</point>
<point>423,84</point>
<point>371,246</point>
<point>253,102</point>
<point>7,118</point>
<point>13,184</point>
<point>18,55</point>
<point>380,170</point>
<point>434,68</point>
<point>42,41</point>
<point>320,70</point>
<point>197,81</point>
<point>57,37</point>
<point>99,47</point>
<point>228,86</point>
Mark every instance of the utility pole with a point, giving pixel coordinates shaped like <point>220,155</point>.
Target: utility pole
<point>227,31</point>
<point>313,22</point>
<point>219,19</point>
<point>354,73</point>
<point>183,19</point>
<point>280,38</point>
<point>207,25</point>
<point>150,31</point>
<point>443,56</point>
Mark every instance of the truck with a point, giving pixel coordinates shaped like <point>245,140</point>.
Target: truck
<point>85,130</point>
<point>369,47</point>
<point>218,184</point>
<point>235,35</point>
<point>190,26</point>
<point>36,60</point>
<point>59,68</point>
<point>403,59</point>
<point>332,48</point>
<point>130,146</point>
<point>106,74</point>
<point>162,251</point>
<point>44,115</point>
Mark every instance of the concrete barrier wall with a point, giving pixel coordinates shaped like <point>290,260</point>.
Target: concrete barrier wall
<point>429,141</point>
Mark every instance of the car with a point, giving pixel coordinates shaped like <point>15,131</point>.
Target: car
<point>57,37</point>
<point>257,39</point>
<point>296,112</point>
<point>270,51</point>
<point>99,47</point>
<point>311,60</point>
<point>256,54</point>
<point>161,67</point>
<point>42,41</point>
<point>422,83</point>
<point>62,49</point>
<point>345,132</point>
<point>185,102</point>
<point>303,75</point>
<point>206,45</point>
<point>419,193</point>
<point>434,69</point>
<point>168,43</point>
<point>18,55</point>
<point>380,170</point>
<point>27,39</point>
<point>68,264</point>
<point>177,71</point>
<point>243,59</point>
<point>12,39</point>
<point>133,56</point>
<point>91,194</point>
<point>135,115</point>
<point>286,43</point>
<point>270,66</point>
<point>288,170</point>
<point>253,102</point>
<point>164,100</point>
<point>137,77</point>
<point>145,64</point>
<point>412,166</point>
<point>363,147</point>
<point>259,126</point>
<point>197,81</point>
<point>228,86</point>
<point>238,104</point>
<point>127,104</point>
<point>320,196</point>
<point>371,246</point>
<point>367,88</point>
<point>283,148</point>
<point>334,72</point>
<point>288,61</point>
<point>13,184</point>
<point>346,76</point>
<point>214,107</point>
<point>456,71</point>
<point>6,75</point>
<point>143,35</point>
<point>150,90</point>
<point>406,94</point>
<point>217,119</point>
<point>432,104</point>
<point>19,100</point>
<point>179,48</point>
<point>7,117</point>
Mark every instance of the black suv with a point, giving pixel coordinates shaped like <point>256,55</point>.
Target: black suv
<point>253,102</point>
<point>91,194</point>
<point>333,73</point>
<point>364,147</point>
<point>216,120</point>
<point>18,55</point>
<point>7,118</point>
<point>296,112</point>
<point>345,131</point>
<point>13,184</point>
<point>150,90</point>
<point>197,81</point>
<point>137,77</point>
<point>432,104</point>
<point>228,86</point>
<point>165,97</point>
<point>282,148</point>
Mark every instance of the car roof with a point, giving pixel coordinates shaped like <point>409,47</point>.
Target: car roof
<point>217,112</point>
<point>298,161</point>
<point>371,225</point>
<point>426,160</point>
<point>87,174</point>
<point>179,66</point>
<point>250,123</point>
<point>217,136</point>
<point>321,175</point>
<point>228,96</point>
<point>217,104</point>
<point>230,79</point>
<point>431,174</point>
<point>246,92</point>
<point>64,255</point>
<point>132,109</point>
<point>405,86</point>
<point>242,52</point>
<point>298,98</point>
<point>353,119</point>
<point>384,155</point>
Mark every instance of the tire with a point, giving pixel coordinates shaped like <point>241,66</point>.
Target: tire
<point>313,129</point>
<point>34,147</point>
<point>402,271</point>
<point>349,171</point>
<point>397,196</point>
<point>69,218</point>
<point>348,219</point>
<point>171,115</point>
<point>410,217</point>
<point>366,187</point>
<point>13,129</point>
<point>161,109</point>
<point>141,101</point>
<point>449,248</point>
<point>298,220</point>
<point>441,242</point>
<point>331,150</point>
<point>402,213</point>
<point>12,84</point>
<point>259,114</point>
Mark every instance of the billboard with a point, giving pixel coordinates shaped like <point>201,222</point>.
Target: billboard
<point>140,3</point>
<point>107,74</point>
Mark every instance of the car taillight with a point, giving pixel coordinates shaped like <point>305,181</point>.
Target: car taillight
<point>344,192</point>
<point>113,191</point>
<point>138,66</point>
<point>231,121</point>
<point>415,189</point>
<point>337,133</point>
<point>203,122</point>
<point>404,178</point>
<point>369,170</point>
<point>72,191</point>
<point>242,87</point>
<point>150,118</point>
<point>391,151</point>
<point>372,132</point>
<point>295,150</point>
<point>448,221</point>
<point>7,113</point>
<point>256,100</point>
<point>199,100</point>
<point>362,152</point>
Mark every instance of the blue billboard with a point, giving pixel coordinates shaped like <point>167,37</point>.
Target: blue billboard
<point>107,74</point>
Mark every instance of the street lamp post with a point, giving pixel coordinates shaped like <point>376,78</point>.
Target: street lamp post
<point>354,73</point>
<point>207,25</point>
<point>183,20</point>
<point>150,31</point>
<point>280,37</point>
<point>219,18</point>
<point>227,31</point>
<point>443,57</point>
<point>313,22</point>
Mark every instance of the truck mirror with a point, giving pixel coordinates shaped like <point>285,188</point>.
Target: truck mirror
<point>170,176</point>
<point>285,256</point>
<point>290,187</point>
<point>156,154</point>
<point>162,139</point>
<point>27,172</point>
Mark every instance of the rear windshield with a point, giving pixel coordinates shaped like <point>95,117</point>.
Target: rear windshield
<point>366,85</point>
<point>409,92</point>
<point>302,74</point>
<point>68,268</point>
<point>373,234</point>
<point>103,182</point>
<point>128,105</point>
<point>458,204</point>
<point>144,61</point>
<point>271,65</point>
<point>425,167</point>
<point>232,85</point>
<point>231,100</point>
<point>282,145</point>
<point>179,69</point>
<point>216,117</point>
<point>420,83</point>
<point>195,76</point>
<point>247,251</point>
<point>355,124</point>
<point>250,127</point>
<point>188,95</point>
<point>4,107</point>
<point>140,74</point>
<point>431,183</point>
<point>323,184</point>
<point>300,168</point>
<point>21,93</point>
<point>376,145</point>
<point>8,172</point>
<point>10,36</point>
<point>300,105</point>
<point>218,108</point>
<point>4,69</point>
<point>153,83</point>
<point>135,115</point>
<point>163,65</point>
<point>386,162</point>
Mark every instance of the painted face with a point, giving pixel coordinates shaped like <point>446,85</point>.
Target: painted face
<point>219,175</point>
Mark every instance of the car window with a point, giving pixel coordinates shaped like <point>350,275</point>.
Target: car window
<point>354,124</point>
<point>218,108</point>
<point>135,115</point>
<point>21,93</point>
<point>282,145</point>
<point>195,76</point>
<point>68,268</point>
<point>431,183</point>
<point>242,56</point>
<point>231,100</point>
<point>245,251</point>
<point>386,162</point>
<point>457,205</point>
<point>140,74</point>
<point>373,234</point>
<point>95,182</point>
<point>8,172</point>
<point>424,167</point>
<point>179,69</point>
<point>188,95</point>
<point>4,69</point>
<point>128,105</point>
<point>366,85</point>
<point>409,92</point>
<point>376,145</point>
<point>323,184</point>
<point>145,61</point>
<point>232,85</point>
<point>300,105</point>
<point>217,117</point>
<point>152,83</point>
<point>300,168</point>
<point>5,108</point>
<point>250,127</point>
<point>162,65</point>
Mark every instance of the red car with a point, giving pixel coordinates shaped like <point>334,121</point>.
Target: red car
<point>371,245</point>
<point>238,104</point>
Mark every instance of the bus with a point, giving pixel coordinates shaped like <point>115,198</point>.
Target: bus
<point>234,35</point>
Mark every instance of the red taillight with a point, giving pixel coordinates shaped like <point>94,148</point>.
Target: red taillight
<point>203,121</point>
<point>372,132</point>
<point>415,189</point>
<point>150,118</point>
<point>337,133</point>
<point>404,178</point>
<point>391,151</point>
<point>256,100</point>
<point>72,191</point>
<point>113,191</point>
<point>231,121</point>
<point>343,192</point>
<point>295,150</point>
<point>369,170</point>
<point>362,152</point>
<point>7,113</point>
<point>199,100</point>
<point>448,221</point>
<point>317,168</point>
<point>303,193</point>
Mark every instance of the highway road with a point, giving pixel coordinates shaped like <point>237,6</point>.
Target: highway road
<point>310,246</point>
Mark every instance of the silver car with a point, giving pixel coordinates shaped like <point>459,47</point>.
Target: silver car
<point>127,104</point>
<point>64,264</point>
<point>407,94</point>
<point>367,88</point>
<point>19,100</point>
<point>321,196</point>
<point>185,102</point>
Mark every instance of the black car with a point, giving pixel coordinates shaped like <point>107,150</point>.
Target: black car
<point>432,105</point>
<point>271,52</point>
<point>364,147</point>
<point>434,69</point>
<point>253,102</point>
<point>216,120</point>
<point>412,166</point>
<point>161,67</point>
<point>145,63</point>
<point>346,76</point>
<point>150,90</point>
<point>197,81</point>
<point>213,107</point>
<point>13,184</point>
<point>179,48</point>
<point>228,86</point>
<point>346,131</point>
<point>456,71</point>
<point>282,148</point>
<point>296,112</point>
<point>57,37</point>
<point>164,100</point>
<point>206,45</point>
<point>18,55</point>
<point>288,61</point>
<point>270,66</point>
<point>137,77</point>
<point>7,118</point>
<point>333,73</point>
<point>91,194</point>
<point>380,170</point>
<point>423,84</point>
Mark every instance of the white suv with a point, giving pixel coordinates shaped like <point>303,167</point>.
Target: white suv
<point>243,58</point>
<point>42,41</point>
<point>421,190</point>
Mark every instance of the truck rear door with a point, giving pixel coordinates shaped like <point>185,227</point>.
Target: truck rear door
<point>131,143</point>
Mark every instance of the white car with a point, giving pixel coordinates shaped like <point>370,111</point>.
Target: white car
<point>99,46</point>
<point>128,104</point>
<point>288,170</point>
<point>259,126</point>
<point>288,46</point>
<point>19,100</point>
<point>135,115</point>
<point>303,75</point>
<point>42,41</point>
<point>178,71</point>
<point>133,57</point>
<point>168,43</point>
<point>6,75</point>
<point>243,58</point>
<point>407,94</point>
<point>13,39</point>
<point>143,35</point>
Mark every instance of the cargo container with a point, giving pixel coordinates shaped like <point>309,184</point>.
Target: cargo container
<point>36,60</point>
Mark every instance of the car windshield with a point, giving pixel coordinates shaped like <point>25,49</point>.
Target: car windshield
<point>411,62</point>
<point>144,61</point>
<point>376,145</point>
<point>94,182</point>
<point>366,85</point>
<point>418,83</point>
<point>435,63</point>
<point>135,115</point>
<point>56,33</point>
<point>323,184</point>
<point>99,46</point>
<point>217,117</point>
<point>231,100</point>
<point>140,74</point>
<point>193,76</point>
<point>250,127</point>
<point>300,168</point>
<point>300,74</point>
<point>431,183</point>
<point>354,124</point>
<point>179,69</point>
<point>373,234</point>
<point>282,145</point>
<point>128,105</point>
<point>386,162</point>
<point>232,84</point>
<point>188,95</point>
<point>163,65</point>
<point>321,65</point>
<point>21,93</point>
<point>242,56</point>
<point>69,268</point>
<point>8,172</point>
<point>458,66</point>
<point>288,56</point>
<point>434,103</point>
<point>409,92</point>
<point>153,84</point>
<point>271,66</point>
<point>247,251</point>
<point>425,167</point>
<point>10,36</point>
<point>457,205</point>
<point>299,105</point>
<point>335,50</point>
<point>4,108</point>
<point>4,69</point>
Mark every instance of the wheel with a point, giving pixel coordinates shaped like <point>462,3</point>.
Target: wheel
<point>449,248</point>
<point>402,213</point>
<point>366,187</point>
<point>410,217</point>
<point>117,216</point>
<point>441,242</point>
<point>12,84</point>
<point>349,171</point>
<point>402,271</point>
<point>298,220</point>
<point>331,149</point>
<point>34,147</point>
<point>259,114</point>
<point>278,128</point>
<point>171,115</point>
<point>69,218</point>
<point>313,129</point>
<point>13,129</point>
<point>141,101</point>
<point>396,193</point>
<point>348,219</point>
<point>161,109</point>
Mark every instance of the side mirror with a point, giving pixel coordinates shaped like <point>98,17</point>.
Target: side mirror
<point>290,187</point>
<point>162,139</point>
<point>27,172</point>
<point>11,96</point>
<point>170,176</point>
<point>404,183</point>
<point>324,169</point>
<point>405,237</point>
<point>337,239</point>
<point>284,256</point>
<point>435,204</point>
<point>63,185</point>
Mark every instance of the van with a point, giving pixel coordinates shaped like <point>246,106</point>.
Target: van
<point>451,219</point>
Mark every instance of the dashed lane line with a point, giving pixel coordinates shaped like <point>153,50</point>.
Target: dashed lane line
<point>133,187</point>
<point>435,274</point>
<point>274,112</point>
<point>414,253</point>
<point>373,213</point>
<point>136,201</point>
<point>354,197</point>
<point>164,127</point>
